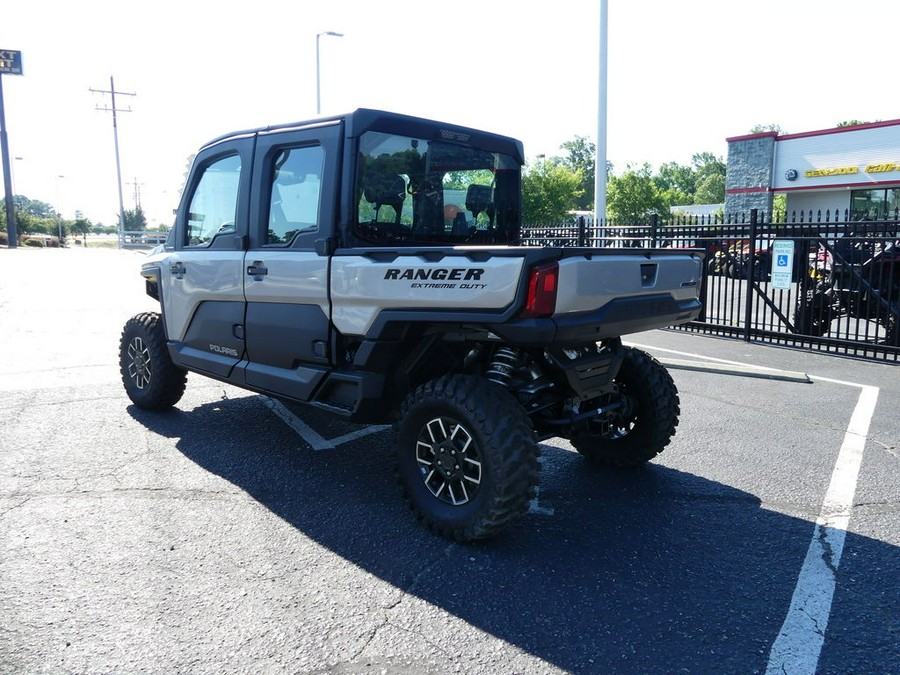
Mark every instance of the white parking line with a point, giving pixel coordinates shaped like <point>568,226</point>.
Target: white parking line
<point>799,643</point>
<point>708,363</point>
<point>316,442</point>
<point>798,646</point>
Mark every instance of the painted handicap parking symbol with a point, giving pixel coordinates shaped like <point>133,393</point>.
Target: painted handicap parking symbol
<point>783,259</point>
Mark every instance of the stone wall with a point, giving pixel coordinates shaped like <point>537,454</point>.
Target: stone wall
<point>749,173</point>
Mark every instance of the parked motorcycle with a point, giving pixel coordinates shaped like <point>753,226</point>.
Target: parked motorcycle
<point>853,277</point>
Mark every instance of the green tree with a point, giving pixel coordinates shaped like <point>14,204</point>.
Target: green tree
<point>581,155</point>
<point>710,176</point>
<point>32,216</point>
<point>34,207</point>
<point>779,203</point>
<point>82,225</point>
<point>634,195</point>
<point>677,183</point>
<point>135,220</point>
<point>710,190</point>
<point>461,180</point>
<point>852,123</point>
<point>549,190</point>
<point>762,128</point>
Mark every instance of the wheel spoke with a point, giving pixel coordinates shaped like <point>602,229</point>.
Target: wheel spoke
<point>139,363</point>
<point>468,437</point>
<point>448,460</point>
<point>424,449</point>
<point>437,493</point>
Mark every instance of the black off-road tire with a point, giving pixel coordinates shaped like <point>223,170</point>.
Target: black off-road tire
<point>646,424</point>
<point>467,459</point>
<point>892,329</point>
<point>813,314</point>
<point>151,380</point>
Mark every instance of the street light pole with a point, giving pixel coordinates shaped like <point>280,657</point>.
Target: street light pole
<point>318,70</point>
<point>9,198</point>
<point>600,169</point>
<point>59,211</point>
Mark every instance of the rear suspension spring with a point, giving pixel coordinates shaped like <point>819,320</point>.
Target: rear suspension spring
<point>503,365</point>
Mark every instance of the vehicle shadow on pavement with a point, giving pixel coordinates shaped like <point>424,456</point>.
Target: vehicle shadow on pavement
<point>648,570</point>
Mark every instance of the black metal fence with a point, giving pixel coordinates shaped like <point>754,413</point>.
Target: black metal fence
<point>826,281</point>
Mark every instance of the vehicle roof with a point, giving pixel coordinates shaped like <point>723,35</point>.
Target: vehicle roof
<point>366,119</point>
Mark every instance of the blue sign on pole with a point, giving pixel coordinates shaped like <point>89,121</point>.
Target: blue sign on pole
<point>10,62</point>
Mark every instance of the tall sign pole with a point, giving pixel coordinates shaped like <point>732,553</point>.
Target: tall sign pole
<point>112,108</point>
<point>600,169</point>
<point>10,64</point>
<point>318,70</point>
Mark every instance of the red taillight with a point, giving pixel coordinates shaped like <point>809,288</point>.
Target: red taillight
<point>542,283</point>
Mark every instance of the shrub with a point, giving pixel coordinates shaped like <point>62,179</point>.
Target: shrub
<point>37,243</point>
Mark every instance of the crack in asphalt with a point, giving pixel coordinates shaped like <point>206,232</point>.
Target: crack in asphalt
<point>403,593</point>
<point>816,629</point>
<point>6,511</point>
<point>162,492</point>
<point>59,404</point>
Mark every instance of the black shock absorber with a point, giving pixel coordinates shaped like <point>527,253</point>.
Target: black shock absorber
<point>504,363</point>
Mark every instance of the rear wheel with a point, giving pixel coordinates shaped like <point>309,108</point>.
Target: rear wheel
<point>643,427</point>
<point>151,380</point>
<point>892,327</point>
<point>813,314</point>
<point>466,456</point>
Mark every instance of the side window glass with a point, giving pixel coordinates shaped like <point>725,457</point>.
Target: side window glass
<point>214,202</point>
<point>296,182</point>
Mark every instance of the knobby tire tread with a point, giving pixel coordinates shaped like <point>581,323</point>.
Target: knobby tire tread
<point>167,381</point>
<point>500,422</point>
<point>657,417</point>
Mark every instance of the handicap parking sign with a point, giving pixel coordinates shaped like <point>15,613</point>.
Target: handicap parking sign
<point>783,256</point>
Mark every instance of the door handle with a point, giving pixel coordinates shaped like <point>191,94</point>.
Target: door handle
<point>257,269</point>
<point>177,269</point>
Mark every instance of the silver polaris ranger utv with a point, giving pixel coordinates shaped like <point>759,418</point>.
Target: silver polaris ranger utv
<point>369,264</point>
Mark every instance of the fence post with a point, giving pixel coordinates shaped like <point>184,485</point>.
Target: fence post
<point>582,239</point>
<point>654,222</point>
<point>748,290</point>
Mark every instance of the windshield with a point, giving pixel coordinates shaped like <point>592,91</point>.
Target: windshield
<point>433,192</point>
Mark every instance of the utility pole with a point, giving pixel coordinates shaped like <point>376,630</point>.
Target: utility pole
<point>10,64</point>
<point>113,109</point>
<point>137,192</point>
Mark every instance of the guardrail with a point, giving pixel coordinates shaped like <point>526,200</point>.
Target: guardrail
<point>141,239</point>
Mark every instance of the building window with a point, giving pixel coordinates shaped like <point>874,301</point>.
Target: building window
<point>880,203</point>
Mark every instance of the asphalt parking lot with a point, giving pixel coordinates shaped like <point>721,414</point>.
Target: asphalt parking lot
<point>236,534</point>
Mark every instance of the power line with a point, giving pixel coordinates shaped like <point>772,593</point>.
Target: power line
<point>114,110</point>
<point>137,191</point>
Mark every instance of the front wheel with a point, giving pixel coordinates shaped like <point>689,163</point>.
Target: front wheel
<point>466,456</point>
<point>151,380</point>
<point>645,423</point>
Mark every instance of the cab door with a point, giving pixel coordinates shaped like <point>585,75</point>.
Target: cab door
<point>288,328</point>
<point>202,278</point>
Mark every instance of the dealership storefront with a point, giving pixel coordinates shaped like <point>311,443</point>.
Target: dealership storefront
<point>841,173</point>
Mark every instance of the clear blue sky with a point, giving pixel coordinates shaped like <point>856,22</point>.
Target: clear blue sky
<point>682,77</point>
